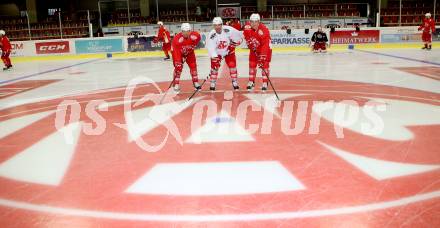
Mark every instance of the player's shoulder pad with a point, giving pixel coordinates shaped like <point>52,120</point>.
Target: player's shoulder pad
<point>181,39</point>
<point>263,28</point>
<point>227,28</point>
<point>212,35</point>
<point>193,36</point>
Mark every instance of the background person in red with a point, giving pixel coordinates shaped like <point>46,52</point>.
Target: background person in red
<point>428,28</point>
<point>235,23</point>
<point>182,49</point>
<point>258,39</point>
<point>163,35</point>
<point>6,49</point>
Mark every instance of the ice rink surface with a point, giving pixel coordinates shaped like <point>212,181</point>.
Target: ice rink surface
<point>354,142</point>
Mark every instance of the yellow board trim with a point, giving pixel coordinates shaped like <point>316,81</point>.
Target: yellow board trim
<point>336,47</point>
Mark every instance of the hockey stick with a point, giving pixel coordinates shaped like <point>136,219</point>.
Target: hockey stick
<point>166,92</point>
<point>197,90</point>
<point>270,82</point>
<point>273,88</point>
<point>171,84</point>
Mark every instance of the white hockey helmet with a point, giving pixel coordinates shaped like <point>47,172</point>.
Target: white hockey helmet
<point>2,32</point>
<point>186,27</point>
<point>160,23</point>
<point>217,21</point>
<point>255,17</point>
<point>427,15</point>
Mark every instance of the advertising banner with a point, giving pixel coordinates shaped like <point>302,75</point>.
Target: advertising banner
<point>296,38</point>
<point>22,48</point>
<point>353,21</point>
<point>98,46</point>
<point>354,37</point>
<point>229,12</point>
<point>150,45</point>
<point>56,47</point>
<point>278,25</point>
<point>141,30</point>
<point>399,38</point>
<point>144,44</point>
<point>138,44</point>
<point>400,35</point>
<point>309,23</point>
<point>333,23</point>
<point>113,31</point>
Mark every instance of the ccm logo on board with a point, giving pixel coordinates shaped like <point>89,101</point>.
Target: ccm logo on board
<point>52,47</point>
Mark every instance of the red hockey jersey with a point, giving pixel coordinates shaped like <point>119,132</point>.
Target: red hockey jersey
<point>258,40</point>
<point>5,44</point>
<point>182,46</point>
<point>428,25</point>
<point>163,35</point>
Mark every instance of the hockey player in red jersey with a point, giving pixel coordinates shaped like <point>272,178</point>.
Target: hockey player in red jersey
<point>164,36</point>
<point>182,49</point>
<point>6,49</point>
<point>428,28</point>
<point>319,41</point>
<point>258,39</point>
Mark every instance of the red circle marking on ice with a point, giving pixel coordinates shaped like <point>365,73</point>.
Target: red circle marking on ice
<point>104,166</point>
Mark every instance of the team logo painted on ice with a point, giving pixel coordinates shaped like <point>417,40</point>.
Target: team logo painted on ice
<point>225,163</point>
